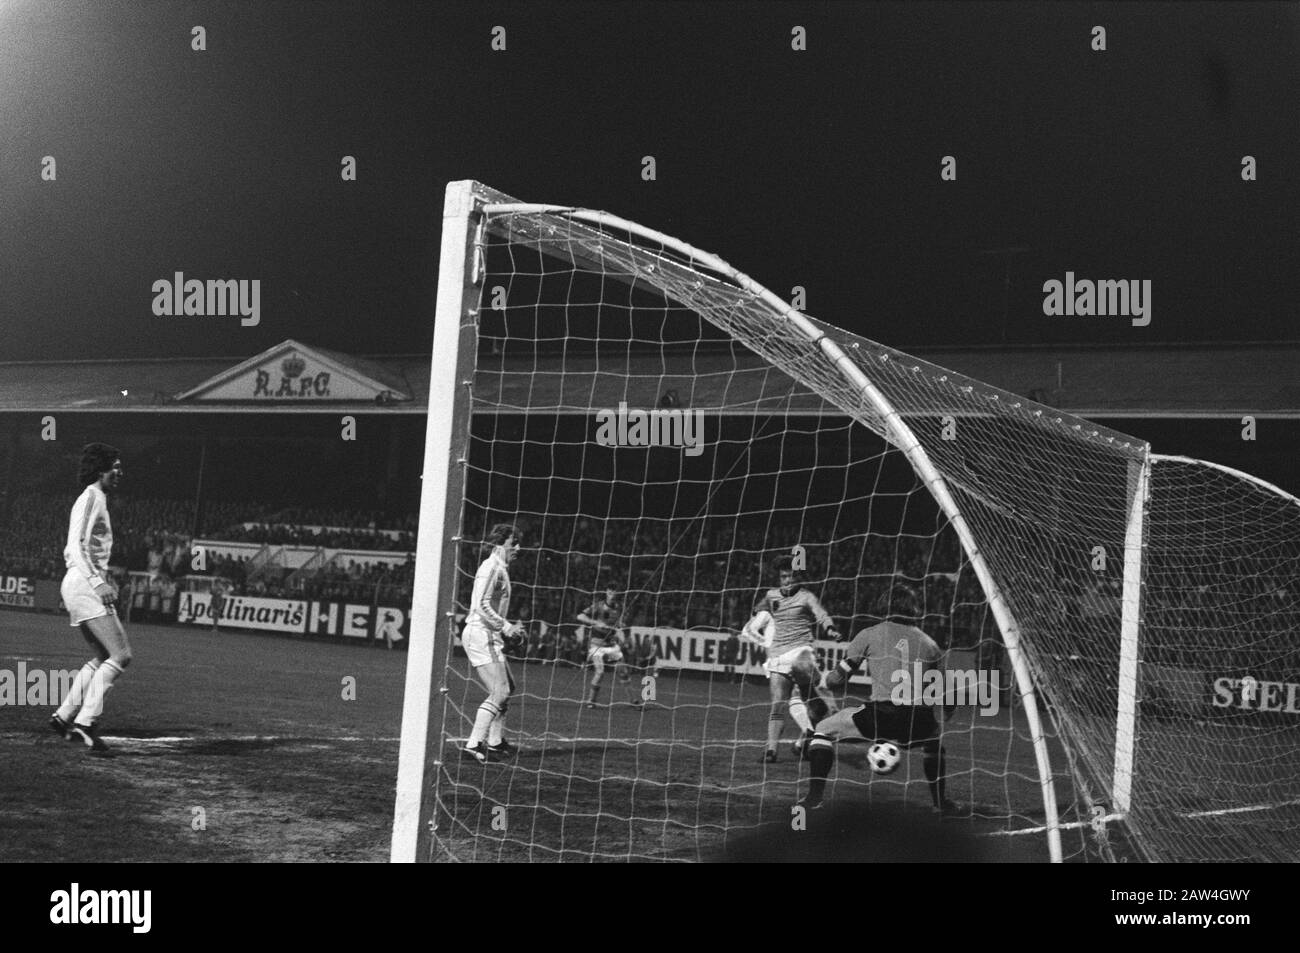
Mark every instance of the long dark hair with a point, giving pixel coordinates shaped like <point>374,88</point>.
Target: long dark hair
<point>899,601</point>
<point>498,534</point>
<point>96,458</point>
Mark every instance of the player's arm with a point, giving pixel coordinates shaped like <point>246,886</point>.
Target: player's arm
<point>753,629</point>
<point>80,526</point>
<point>588,616</point>
<point>824,620</point>
<point>852,661</point>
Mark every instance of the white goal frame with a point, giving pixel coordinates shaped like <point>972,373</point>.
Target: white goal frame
<point>464,213</point>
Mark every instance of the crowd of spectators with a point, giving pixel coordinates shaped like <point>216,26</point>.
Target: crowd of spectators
<point>704,573</point>
<point>31,542</point>
<point>153,536</point>
<point>329,537</point>
<point>360,581</point>
<point>557,643</point>
<point>1254,620</point>
<point>355,581</point>
<point>709,574</point>
<point>148,535</point>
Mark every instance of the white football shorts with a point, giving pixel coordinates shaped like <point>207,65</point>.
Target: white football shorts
<point>482,645</point>
<point>80,600</point>
<point>784,663</point>
<point>605,655</point>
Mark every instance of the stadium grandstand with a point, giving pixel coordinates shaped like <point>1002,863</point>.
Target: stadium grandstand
<point>297,471</point>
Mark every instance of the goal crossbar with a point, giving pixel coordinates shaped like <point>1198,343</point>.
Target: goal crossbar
<point>1028,495</point>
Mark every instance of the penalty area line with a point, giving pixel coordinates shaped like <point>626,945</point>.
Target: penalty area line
<point>205,739</point>
<point>1044,829</point>
<point>1243,810</point>
<point>606,739</point>
<point>1185,815</point>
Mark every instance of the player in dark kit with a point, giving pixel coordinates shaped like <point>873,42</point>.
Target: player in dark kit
<point>604,619</point>
<point>892,650</point>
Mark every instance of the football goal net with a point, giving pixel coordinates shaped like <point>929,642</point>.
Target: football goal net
<point>1118,628</point>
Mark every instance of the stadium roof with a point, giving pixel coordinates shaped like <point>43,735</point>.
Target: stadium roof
<point>1221,380</point>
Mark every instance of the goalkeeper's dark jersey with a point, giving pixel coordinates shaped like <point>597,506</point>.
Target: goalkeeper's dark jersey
<point>795,619</point>
<point>888,648</point>
<point>611,614</point>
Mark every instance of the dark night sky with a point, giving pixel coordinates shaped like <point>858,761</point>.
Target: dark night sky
<point>816,168</point>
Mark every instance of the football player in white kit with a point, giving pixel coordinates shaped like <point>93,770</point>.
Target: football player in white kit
<point>90,597</point>
<point>486,629</point>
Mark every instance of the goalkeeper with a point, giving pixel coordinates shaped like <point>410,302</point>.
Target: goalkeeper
<point>890,650</point>
<point>797,615</point>
<point>484,639</point>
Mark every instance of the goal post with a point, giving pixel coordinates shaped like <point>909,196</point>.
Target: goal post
<point>678,271</point>
<point>431,628</point>
<point>1216,777</point>
<point>1130,622</point>
<point>655,421</point>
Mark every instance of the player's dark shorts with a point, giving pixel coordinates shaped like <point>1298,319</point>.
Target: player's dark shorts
<point>905,725</point>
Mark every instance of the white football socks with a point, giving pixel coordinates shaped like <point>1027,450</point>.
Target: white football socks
<point>799,712</point>
<point>77,690</point>
<point>100,684</point>
<point>487,713</point>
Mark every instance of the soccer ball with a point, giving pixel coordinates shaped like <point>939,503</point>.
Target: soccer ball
<point>884,757</point>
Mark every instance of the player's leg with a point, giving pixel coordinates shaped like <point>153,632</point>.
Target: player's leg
<point>82,604</point>
<point>798,709</point>
<point>498,747</point>
<point>811,707</point>
<point>799,712</point>
<point>597,660</point>
<point>925,731</point>
<point>483,649</point>
<point>637,673</point>
<point>62,719</point>
<point>495,679</point>
<point>623,675</point>
<point>107,632</point>
<point>820,749</point>
<point>807,675</point>
<point>935,773</point>
<point>779,685</point>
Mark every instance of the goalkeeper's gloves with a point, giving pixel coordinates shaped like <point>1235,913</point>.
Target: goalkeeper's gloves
<point>513,637</point>
<point>837,677</point>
